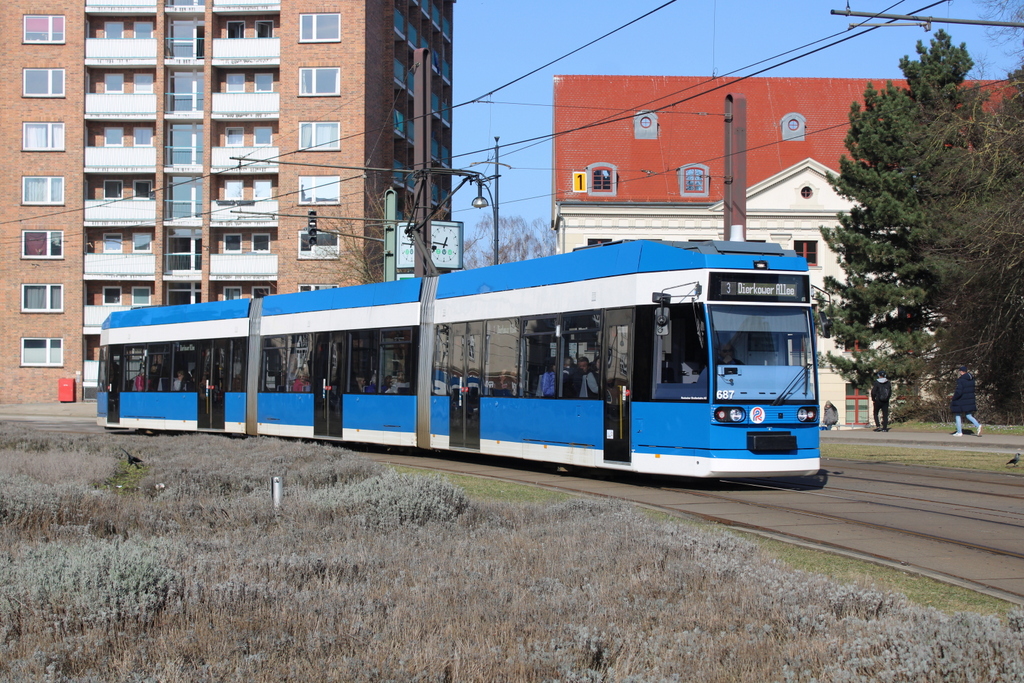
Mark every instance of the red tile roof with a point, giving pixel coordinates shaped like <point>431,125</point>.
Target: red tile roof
<point>691,121</point>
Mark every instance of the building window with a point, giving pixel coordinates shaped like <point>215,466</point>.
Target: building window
<point>234,137</point>
<point>262,189</point>
<point>44,29</point>
<point>645,126</point>
<point>113,189</point>
<point>319,135</point>
<point>113,83</point>
<point>111,296</point>
<point>42,351</point>
<point>319,189</point>
<point>264,29</point>
<point>142,296</point>
<point>232,293</point>
<point>261,242</point>
<point>113,30</point>
<point>313,288</point>
<point>263,136</point>
<point>693,180</point>
<point>234,82</point>
<point>260,292</point>
<point>143,29</point>
<point>603,179</point>
<point>43,83</point>
<point>321,81</point>
<point>806,192</point>
<point>236,29</point>
<point>264,82</point>
<point>233,189</point>
<point>142,242</point>
<point>857,406</point>
<point>143,189</point>
<point>113,136</point>
<point>112,243</point>
<point>42,136</point>
<point>42,190</point>
<point>793,127</point>
<point>326,246</point>
<point>809,250</point>
<point>42,298</point>
<point>143,136</point>
<point>233,245</point>
<point>143,83</point>
<point>319,28</point>
<point>42,244</point>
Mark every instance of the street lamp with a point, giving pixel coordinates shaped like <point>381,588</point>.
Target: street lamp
<point>480,202</point>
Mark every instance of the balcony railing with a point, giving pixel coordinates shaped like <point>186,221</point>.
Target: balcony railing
<point>248,212</point>
<point>249,105</point>
<point>183,262</point>
<point>140,107</point>
<point>95,315</point>
<point>227,51</point>
<point>120,159</point>
<point>243,266</point>
<point>192,49</point>
<point>174,210</point>
<point>257,159</point>
<point>183,156</point>
<point>246,5</point>
<point>120,266</point>
<point>185,103</point>
<point>121,6</point>
<point>125,211</point>
<point>124,51</point>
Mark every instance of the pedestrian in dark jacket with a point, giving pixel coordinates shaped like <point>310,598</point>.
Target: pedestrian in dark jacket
<point>881,392</point>
<point>963,402</point>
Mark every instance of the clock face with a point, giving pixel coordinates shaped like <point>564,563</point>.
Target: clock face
<point>446,244</point>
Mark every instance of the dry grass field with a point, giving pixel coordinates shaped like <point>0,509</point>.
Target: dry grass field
<point>183,570</point>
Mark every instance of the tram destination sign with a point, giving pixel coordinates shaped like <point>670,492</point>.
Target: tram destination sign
<point>772,287</point>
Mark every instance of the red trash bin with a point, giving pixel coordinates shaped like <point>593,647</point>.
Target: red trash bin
<point>66,390</point>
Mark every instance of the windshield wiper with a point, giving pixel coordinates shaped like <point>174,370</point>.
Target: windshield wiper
<point>791,387</point>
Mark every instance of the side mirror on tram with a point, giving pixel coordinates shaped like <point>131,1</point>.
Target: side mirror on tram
<point>825,325</point>
<point>661,321</point>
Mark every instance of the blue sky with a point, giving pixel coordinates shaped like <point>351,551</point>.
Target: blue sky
<point>498,41</point>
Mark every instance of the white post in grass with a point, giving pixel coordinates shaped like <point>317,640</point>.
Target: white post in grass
<point>276,486</point>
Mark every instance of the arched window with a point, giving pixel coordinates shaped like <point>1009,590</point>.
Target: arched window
<point>693,180</point>
<point>604,179</point>
<point>645,125</point>
<point>793,127</point>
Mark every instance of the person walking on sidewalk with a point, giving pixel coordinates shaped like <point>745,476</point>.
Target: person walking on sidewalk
<point>963,401</point>
<point>881,392</point>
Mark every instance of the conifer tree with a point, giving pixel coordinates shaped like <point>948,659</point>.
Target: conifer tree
<point>901,143</point>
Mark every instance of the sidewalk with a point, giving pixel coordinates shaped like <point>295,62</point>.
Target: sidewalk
<point>22,411</point>
<point>990,441</point>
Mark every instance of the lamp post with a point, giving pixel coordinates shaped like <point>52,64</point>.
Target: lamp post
<point>481,203</point>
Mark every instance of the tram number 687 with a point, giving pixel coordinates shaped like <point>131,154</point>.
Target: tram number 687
<point>724,395</point>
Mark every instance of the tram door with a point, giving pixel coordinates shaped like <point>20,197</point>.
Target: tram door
<point>466,362</point>
<point>115,377</point>
<point>213,375</point>
<point>618,383</point>
<point>328,382</point>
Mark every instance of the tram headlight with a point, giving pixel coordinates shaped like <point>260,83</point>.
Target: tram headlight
<point>725,414</point>
<point>807,414</point>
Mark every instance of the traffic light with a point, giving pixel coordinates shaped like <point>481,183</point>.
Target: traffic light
<point>311,227</point>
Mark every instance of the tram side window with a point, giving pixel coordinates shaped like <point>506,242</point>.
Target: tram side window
<point>183,366</point>
<point>501,356</point>
<point>363,359</point>
<point>680,367</point>
<point>541,371</point>
<point>581,355</point>
<point>159,368</point>
<point>239,352</point>
<point>442,354</point>
<point>275,361</point>
<point>396,361</point>
<point>135,368</point>
<point>299,365</point>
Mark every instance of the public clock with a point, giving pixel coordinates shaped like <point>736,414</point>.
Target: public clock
<point>446,244</point>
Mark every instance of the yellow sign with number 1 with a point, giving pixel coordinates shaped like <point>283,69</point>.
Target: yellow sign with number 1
<point>579,181</point>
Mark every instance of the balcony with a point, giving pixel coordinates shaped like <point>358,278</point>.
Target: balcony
<point>246,105</point>
<point>184,52</point>
<point>183,159</point>
<point>261,6</point>
<point>184,6</point>
<point>247,52</point>
<point>249,213</point>
<point>243,266</point>
<point>184,105</point>
<point>121,107</point>
<point>120,52</point>
<point>95,315</point>
<point>119,267</point>
<point>183,212</point>
<point>183,267</point>
<point>120,160</point>
<point>124,212</point>
<point>120,6</point>
<point>258,160</point>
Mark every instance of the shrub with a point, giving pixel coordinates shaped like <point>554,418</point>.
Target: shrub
<point>392,499</point>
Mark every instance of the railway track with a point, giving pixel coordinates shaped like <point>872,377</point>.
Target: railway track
<point>964,527</point>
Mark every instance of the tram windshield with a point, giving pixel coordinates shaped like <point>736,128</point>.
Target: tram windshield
<point>762,353</point>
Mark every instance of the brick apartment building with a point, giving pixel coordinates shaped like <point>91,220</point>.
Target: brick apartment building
<point>655,168</point>
<point>120,172</point>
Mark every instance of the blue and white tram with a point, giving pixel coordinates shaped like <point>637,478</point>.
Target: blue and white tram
<point>691,359</point>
